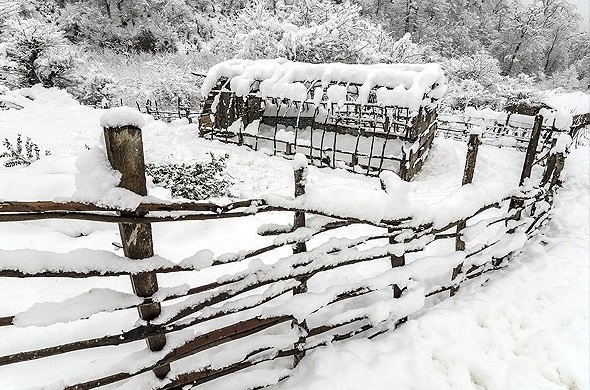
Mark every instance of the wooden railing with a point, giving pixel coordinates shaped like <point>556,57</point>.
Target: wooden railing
<point>271,308</point>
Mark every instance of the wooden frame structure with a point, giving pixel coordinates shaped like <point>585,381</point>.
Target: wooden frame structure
<point>361,136</point>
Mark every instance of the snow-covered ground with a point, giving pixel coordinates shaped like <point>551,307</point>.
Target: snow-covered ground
<point>526,327</point>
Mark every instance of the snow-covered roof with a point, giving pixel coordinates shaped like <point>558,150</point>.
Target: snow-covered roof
<point>402,85</point>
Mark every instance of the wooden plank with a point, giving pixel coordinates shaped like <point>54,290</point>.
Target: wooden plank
<point>468,172</point>
<point>531,151</point>
<point>197,344</point>
<point>124,148</point>
<point>300,176</point>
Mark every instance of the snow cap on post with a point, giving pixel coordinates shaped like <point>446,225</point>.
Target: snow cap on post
<point>122,116</point>
<point>562,143</point>
<point>299,161</point>
<point>476,130</point>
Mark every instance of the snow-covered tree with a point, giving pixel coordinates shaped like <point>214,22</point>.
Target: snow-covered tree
<point>322,31</point>
<point>131,25</point>
<point>36,52</point>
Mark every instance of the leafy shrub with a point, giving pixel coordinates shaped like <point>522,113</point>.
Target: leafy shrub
<point>197,181</point>
<point>16,155</point>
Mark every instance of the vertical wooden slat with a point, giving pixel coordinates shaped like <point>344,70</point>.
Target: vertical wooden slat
<point>529,159</point>
<point>550,166</point>
<point>531,150</point>
<point>468,172</point>
<point>299,174</point>
<point>559,163</point>
<point>396,261</point>
<point>125,153</point>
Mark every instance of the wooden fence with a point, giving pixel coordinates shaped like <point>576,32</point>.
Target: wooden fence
<point>364,139</point>
<point>169,112</point>
<point>278,310</point>
<point>513,131</point>
<point>360,137</point>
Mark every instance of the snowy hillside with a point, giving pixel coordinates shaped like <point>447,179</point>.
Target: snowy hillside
<point>522,327</point>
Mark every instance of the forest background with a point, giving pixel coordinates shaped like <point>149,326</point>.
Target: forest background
<point>494,52</point>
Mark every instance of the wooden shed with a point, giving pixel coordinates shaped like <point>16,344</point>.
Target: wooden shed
<point>364,118</point>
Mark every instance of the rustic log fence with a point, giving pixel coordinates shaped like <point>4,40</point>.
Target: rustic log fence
<point>179,109</point>
<point>278,316</point>
<point>515,131</point>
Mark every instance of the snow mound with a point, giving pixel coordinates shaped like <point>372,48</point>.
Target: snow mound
<point>37,94</point>
<point>96,182</point>
<point>403,85</point>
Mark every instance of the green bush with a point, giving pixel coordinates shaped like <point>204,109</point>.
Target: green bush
<point>17,155</point>
<point>197,181</point>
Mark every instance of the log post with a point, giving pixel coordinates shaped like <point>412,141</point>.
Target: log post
<point>529,159</point>
<point>124,148</point>
<point>300,175</point>
<point>405,167</point>
<point>468,172</point>
<point>559,163</point>
<point>559,149</point>
<point>550,166</point>
<point>396,261</point>
<point>531,150</point>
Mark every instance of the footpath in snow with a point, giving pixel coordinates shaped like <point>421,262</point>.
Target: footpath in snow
<point>525,328</point>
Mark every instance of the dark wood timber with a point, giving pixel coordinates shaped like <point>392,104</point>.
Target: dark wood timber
<point>468,172</point>
<point>300,247</point>
<point>531,150</point>
<point>124,147</point>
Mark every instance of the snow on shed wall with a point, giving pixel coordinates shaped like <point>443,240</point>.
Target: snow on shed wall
<point>402,85</point>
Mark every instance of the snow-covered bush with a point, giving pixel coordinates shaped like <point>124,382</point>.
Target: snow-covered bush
<point>193,181</point>
<point>94,89</point>
<point>36,52</point>
<point>16,155</point>
<point>472,81</point>
<point>480,67</point>
<point>519,89</point>
<point>145,26</point>
<point>319,31</point>
<point>475,80</point>
<point>468,92</point>
<point>161,77</point>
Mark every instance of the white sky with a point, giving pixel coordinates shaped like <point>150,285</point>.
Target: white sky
<point>584,10</point>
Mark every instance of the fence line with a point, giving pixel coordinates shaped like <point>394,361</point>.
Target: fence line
<point>254,293</point>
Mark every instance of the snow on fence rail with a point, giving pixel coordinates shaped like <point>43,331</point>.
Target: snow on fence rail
<point>267,311</point>
<point>501,128</point>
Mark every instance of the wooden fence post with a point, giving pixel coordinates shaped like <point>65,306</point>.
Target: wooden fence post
<point>124,148</point>
<point>529,159</point>
<point>555,164</point>
<point>468,172</point>
<point>559,163</point>
<point>531,150</point>
<point>396,261</point>
<point>300,175</point>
